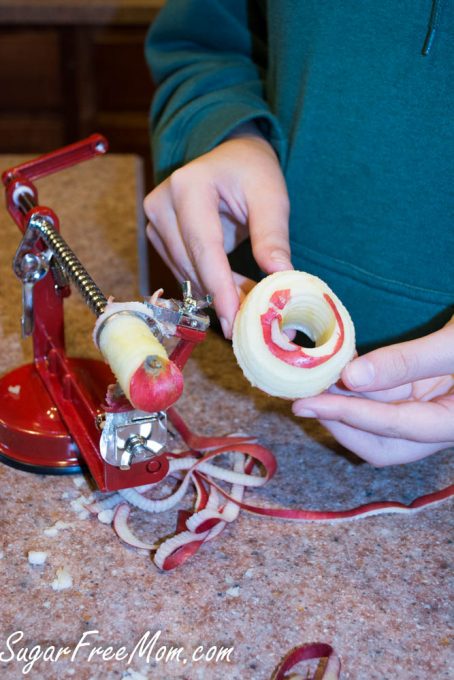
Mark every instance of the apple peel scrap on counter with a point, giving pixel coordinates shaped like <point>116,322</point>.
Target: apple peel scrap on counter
<point>220,492</point>
<point>217,505</point>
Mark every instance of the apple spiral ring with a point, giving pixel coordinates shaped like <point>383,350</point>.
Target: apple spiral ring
<point>269,360</point>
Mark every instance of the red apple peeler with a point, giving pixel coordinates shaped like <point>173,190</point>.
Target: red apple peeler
<point>53,413</point>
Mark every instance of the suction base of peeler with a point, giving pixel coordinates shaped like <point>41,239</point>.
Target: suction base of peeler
<point>33,435</point>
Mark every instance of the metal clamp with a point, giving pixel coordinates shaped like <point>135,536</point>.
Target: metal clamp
<point>186,313</point>
<point>30,268</point>
<point>132,436</point>
<point>134,446</point>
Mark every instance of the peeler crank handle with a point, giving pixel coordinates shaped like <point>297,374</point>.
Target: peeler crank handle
<point>52,162</point>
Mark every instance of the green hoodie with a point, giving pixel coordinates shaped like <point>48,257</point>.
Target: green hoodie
<point>362,121</point>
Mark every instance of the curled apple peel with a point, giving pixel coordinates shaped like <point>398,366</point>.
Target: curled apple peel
<point>269,359</point>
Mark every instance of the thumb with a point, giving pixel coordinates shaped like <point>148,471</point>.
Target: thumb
<point>268,216</point>
<point>406,362</point>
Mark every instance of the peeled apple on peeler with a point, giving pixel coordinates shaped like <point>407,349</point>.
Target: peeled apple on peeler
<point>149,379</point>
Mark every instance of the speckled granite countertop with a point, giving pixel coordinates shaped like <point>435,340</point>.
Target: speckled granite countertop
<point>376,589</point>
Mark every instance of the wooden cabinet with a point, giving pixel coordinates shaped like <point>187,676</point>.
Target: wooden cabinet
<point>72,67</point>
<point>31,97</point>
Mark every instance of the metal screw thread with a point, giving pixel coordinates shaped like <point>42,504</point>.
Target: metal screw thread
<point>136,444</point>
<point>66,258</point>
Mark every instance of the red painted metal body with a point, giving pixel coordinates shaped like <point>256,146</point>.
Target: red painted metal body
<point>49,409</point>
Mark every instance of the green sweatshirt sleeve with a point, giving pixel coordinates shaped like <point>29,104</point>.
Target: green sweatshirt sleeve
<point>206,60</point>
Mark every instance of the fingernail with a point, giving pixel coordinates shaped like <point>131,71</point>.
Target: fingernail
<point>225,327</point>
<point>304,412</point>
<point>281,258</point>
<point>360,373</point>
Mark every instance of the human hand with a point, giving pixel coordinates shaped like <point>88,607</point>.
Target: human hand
<point>399,402</point>
<point>206,208</point>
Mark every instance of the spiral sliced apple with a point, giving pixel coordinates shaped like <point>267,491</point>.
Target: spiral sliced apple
<point>292,300</point>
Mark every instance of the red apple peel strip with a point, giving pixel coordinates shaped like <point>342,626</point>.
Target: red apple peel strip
<point>211,514</point>
<point>200,469</point>
<point>314,650</point>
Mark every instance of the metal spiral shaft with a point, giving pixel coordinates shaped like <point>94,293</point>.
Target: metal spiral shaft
<point>70,264</point>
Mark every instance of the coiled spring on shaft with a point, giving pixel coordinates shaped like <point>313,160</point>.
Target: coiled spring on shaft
<point>70,264</point>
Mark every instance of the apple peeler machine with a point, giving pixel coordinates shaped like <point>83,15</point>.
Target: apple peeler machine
<point>54,415</point>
